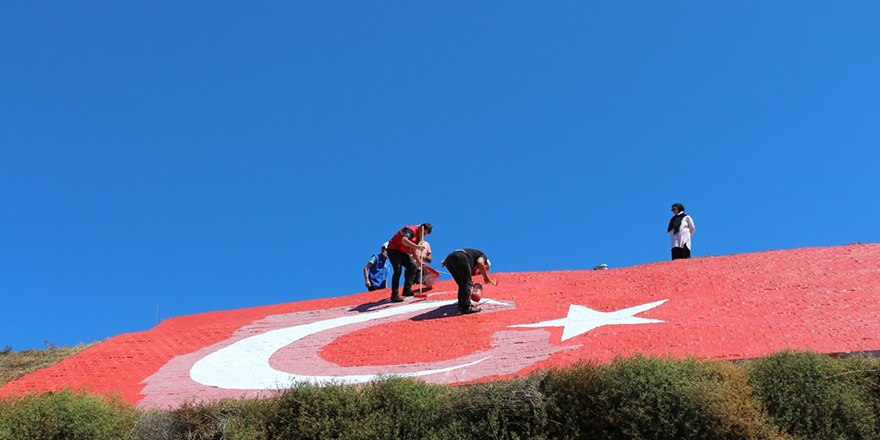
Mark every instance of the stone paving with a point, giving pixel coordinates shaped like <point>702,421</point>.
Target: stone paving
<point>732,307</point>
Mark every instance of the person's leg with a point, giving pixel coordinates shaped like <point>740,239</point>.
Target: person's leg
<point>411,269</point>
<point>458,267</point>
<point>396,259</point>
<point>678,253</point>
<point>685,252</point>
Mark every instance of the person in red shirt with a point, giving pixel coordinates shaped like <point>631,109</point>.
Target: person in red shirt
<point>400,249</point>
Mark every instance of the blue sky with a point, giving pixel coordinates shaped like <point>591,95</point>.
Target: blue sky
<point>202,156</point>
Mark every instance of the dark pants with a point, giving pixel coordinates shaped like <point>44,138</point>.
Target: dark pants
<point>399,259</point>
<point>680,253</point>
<point>459,267</point>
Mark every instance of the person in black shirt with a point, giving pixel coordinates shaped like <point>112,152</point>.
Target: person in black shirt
<point>462,264</point>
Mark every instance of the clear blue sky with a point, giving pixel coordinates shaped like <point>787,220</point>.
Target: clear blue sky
<point>203,156</point>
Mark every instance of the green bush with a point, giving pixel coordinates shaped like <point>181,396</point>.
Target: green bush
<point>398,408</point>
<point>865,372</point>
<point>731,405</point>
<point>154,424</point>
<point>204,421</point>
<point>387,409</point>
<point>227,419</point>
<point>812,396</point>
<point>652,398</point>
<point>309,412</point>
<point>249,422</point>
<point>509,409</point>
<point>67,415</point>
<point>784,396</point>
<point>406,408</point>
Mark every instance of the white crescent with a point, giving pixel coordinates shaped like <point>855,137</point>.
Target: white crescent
<point>244,365</point>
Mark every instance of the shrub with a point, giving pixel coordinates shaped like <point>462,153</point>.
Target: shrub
<point>227,419</point>
<point>865,372</point>
<point>203,421</point>
<point>66,414</point>
<point>652,398</point>
<point>329,412</point>
<point>510,409</point>
<point>406,408</point>
<point>732,408</point>
<point>154,424</point>
<point>807,395</point>
<point>811,396</point>
<point>249,422</point>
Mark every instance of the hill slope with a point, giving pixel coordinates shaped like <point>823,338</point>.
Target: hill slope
<point>739,306</point>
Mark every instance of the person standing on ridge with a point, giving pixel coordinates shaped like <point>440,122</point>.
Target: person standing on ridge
<point>376,270</point>
<point>405,242</point>
<point>462,265</point>
<point>681,229</point>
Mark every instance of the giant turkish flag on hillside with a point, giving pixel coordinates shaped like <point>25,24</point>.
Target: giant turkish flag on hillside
<point>739,306</point>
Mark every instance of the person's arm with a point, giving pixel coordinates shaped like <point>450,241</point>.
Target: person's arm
<point>691,224</point>
<point>412,245</point>
<point>406,239</point>
<point>484,269</point>
<point>367,271</point>
<point>367,274</point>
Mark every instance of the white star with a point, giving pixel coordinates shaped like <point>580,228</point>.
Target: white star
<point>581,319</point>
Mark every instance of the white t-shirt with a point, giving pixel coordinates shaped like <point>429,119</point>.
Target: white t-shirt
<point>683,238</point>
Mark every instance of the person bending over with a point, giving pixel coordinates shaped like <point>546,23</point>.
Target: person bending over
<point>462,264</point>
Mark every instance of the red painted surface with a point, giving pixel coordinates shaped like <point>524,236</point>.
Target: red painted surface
<point>739,306</point>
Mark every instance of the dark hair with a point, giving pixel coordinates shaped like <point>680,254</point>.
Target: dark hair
<point>678,206</point>
<point>428,227</point>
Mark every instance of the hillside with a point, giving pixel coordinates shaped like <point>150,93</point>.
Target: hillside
<point>732,307</point>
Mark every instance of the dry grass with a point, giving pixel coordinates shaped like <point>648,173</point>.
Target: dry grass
<point>14,365</point>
